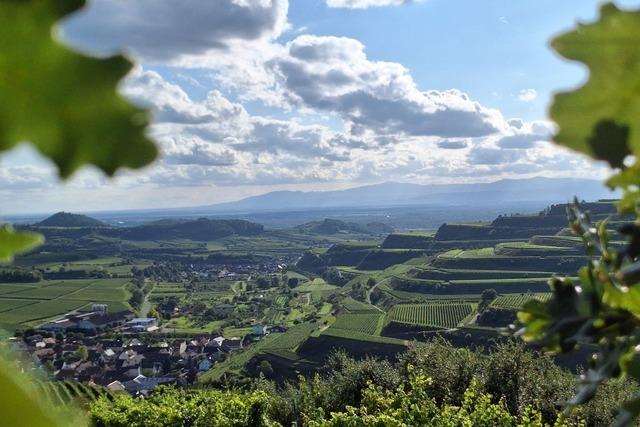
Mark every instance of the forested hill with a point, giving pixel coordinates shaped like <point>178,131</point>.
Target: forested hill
<point>66,219</point>
<point>201,229</point>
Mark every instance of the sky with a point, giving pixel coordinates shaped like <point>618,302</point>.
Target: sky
<point>252,96</point>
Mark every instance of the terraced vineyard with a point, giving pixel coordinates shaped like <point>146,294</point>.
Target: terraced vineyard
<point>358,336</point>
<point>515,302</point>
<point>291,339</point>
<point>364,323</point>
<point>438,315</point>
<point>353,306</point>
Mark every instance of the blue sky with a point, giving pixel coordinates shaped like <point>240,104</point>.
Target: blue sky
<point>256,95</point>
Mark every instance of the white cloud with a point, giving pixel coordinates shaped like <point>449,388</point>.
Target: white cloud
<point>364,4</point>
<point>334,74</point>
<point>24,177</point>
<point>217,138</point>
<point>165,30</point>
<point>380,125</point>
<point>527,95</point>
<point>525,135</point>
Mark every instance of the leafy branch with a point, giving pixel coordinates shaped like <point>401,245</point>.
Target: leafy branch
<point>67,106</point>
<point>601,311</point>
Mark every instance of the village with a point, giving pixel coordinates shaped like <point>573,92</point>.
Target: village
<point>124,353</point>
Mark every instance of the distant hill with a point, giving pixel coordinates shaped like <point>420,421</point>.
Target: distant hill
<point>539,189</point>
<point>202,229</point>
<point>335,226</point>
<point>66,219</point>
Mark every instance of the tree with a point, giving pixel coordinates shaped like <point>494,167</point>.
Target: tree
<point>292,282</point>
<point>137,298</point>
<point>275,281</point>
<point>263,283</point>
<point>153,312</point>
<point>487,296</point>
<point>82,352</point>
<point>333,276</point>
<point>601,309</point>
<point>265,368</point>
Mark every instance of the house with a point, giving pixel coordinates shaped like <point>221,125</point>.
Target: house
<point>259,330</point>
<point>115,386</point>
<point>142,324</point>
<point>143,385</point>
<point>231,345</point>
<point>215,342</point>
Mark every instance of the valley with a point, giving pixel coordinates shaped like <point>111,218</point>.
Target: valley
<point>226,300</point>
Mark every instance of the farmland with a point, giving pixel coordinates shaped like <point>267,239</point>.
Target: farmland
<point>515,302</point>
<point>307,293</point>
<point>362,323</point>
<point>24,305</point>
<point>437,315</point>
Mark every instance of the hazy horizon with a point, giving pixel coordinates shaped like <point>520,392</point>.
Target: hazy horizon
<point>257,96</point>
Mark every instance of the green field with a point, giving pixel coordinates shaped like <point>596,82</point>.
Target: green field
<point>236,362</point>
<point>10,304</point>
<point>315,285</point>
<point>291,339</point>
<point>353,306</point>
<point>436,315</point>
<point>516,301</point>
<point>29,305</point>
<point>359,336</point>
<point>364,323</point>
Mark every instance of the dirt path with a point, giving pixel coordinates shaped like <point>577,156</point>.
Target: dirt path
<point>370,291</point>
<point>146,304</point>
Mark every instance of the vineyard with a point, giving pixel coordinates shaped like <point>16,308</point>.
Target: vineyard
<point>516,301</point>
<point>354,306</point>
<point>64,392</point>
<point>439,315</point>
<point>365,323</point>
<point>291,339</point>
<point>359,336</point>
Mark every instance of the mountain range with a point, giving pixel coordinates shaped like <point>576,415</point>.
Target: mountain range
<point>388,194</point>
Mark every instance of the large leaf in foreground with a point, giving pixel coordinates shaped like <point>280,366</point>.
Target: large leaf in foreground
<point>13,242</point>
<point>64,103</point>
<point>24,405</point>
<point>601,118</point>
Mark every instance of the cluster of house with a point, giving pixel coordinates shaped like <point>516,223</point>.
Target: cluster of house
<point>131,365</point>
<point>99,319</point>
<point>241,271</point>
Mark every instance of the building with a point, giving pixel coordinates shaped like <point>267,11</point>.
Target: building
<point>142,385</point>
<point>100,308</point>
<point>59,325</point>
<point>142,324</point>
<point>259,330</point>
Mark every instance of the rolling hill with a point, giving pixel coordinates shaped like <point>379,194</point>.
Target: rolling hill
<point>66,219</point>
